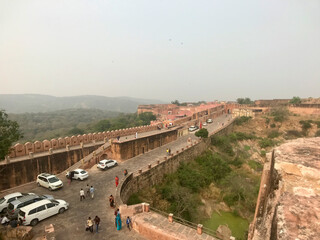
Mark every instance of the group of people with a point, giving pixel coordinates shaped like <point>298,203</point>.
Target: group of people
<point>118,222</point>
<point>89,192</point>
<point>90,223</point>
<point>5,221</point>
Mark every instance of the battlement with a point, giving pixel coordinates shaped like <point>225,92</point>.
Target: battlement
<point>20,150</point>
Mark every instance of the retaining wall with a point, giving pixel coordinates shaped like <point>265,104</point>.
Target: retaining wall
<point>154,173</point>
<point>21,172</point>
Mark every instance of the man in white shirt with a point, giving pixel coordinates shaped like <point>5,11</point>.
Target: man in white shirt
<point>82,194</point>
<point>5,220</point>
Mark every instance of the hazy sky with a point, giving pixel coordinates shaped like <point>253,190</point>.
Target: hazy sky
<point>162,49</point>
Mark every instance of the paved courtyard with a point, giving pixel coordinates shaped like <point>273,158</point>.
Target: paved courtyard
<point>71,224</point>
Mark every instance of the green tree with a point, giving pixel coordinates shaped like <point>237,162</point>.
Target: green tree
<point>203,133</point>
<point>9,133</point>
<point>76,131</point>
<point>244,101</point>
<point>295,100</point>
<point>280,114</point>
<point>176,102</point>
<point>102,125</point>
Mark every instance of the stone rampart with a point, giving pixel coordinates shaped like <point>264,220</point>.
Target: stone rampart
<point>20,150</point>
<point>153,174</point>
<point>16,173</point>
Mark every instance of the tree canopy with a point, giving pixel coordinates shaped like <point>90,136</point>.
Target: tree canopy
<point>295,100</point>
<point>244,100</point>
<point>9,133</point>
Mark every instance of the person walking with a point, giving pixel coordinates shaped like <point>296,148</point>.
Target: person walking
<point>92,192</point>
<point>111,200</point>
<point>118,222</point>
<point>125,172</point>
<point>167,151</point>
<point>88,190</point>
<point>82,194</point>
<point>128,222</point>
<point>97,222</point>
<point>117,181</point>
<point>136,135</point>
<point>90,224</point>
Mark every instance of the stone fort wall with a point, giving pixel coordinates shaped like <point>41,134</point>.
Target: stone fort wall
<point>20,150</point>
<point>153,174</point>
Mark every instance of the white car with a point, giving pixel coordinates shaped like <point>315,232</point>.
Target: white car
<point>209,120</point>
<point>4,202</point>
<point>104,164</point>
<point>204,124</point>
<point>78,174</point>
<point>49,181</point>
<point>193,128</point>
<point>35,212</point>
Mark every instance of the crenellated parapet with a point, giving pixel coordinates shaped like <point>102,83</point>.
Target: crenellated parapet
<point>20,150</point>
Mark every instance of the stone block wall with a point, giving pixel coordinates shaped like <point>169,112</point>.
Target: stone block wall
<point>20,150</point>
<point>130,148</point>
<point>20,172</point>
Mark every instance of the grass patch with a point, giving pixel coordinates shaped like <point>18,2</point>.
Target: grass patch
<point>263,153</point>
<point>247,148</point>
<point>266,142</point>
<point>317,133</point>
<point>273,134</point>
<point>241,120</point>
<point>255,165</point>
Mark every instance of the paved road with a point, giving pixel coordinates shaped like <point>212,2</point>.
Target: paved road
<point>71,224</point>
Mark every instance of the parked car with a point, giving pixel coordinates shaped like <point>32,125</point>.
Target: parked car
<point>35,212</point>
<point>204,124</point>
<point>14,206</point>
<point>4,202</point>
<point>78,174</point>
<point>105,164</point>
<point>49,181</point>
<point>209,120</point>
<point>193,128</point>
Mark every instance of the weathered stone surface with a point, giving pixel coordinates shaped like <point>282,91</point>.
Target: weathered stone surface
<point>293,206</point>
<point>223,232</point>
<point>18,233</point>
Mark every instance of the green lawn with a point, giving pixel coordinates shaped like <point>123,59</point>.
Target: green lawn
<point>237,225</point>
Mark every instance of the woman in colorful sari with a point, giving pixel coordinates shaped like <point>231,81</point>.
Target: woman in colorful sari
<point>118,222</point>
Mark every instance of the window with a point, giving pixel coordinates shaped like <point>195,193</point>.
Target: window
<point>41,208</point>
<point>33,211</point>
<point>50,205</point>
<point>11,199</point>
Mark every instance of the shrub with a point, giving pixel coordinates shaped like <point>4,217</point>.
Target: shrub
<point>237,162</point>
<point>294,134</point>
<point>203,133</point>
<point>273,134</point>
<point>280,114</point>
<point>255,165</point>
<point>272,125</point>
<point>223,143</point>
<point>246,147</point>
<point>317,133</point>
<point>263,153</point>
<point>318,123</point>
<point>305,125</point>
<point>240,120</point>
<point>134,199</point>
<point>266,142</point>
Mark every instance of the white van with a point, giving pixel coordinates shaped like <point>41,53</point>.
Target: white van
<point>35,212</point>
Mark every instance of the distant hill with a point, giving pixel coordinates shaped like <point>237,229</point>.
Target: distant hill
<point>22,103</point>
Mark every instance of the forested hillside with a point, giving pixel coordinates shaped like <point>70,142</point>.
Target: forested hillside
<point>22,103</point>
<point>40,126</point>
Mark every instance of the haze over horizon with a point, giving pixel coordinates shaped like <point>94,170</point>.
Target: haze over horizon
<point>166,50</point>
